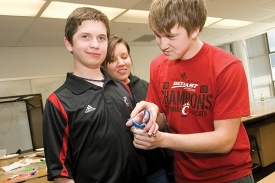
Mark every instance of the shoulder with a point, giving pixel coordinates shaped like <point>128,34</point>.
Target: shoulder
<point>143,84</point>
<point>142,81</point>
<point>159,60</point>
<point>136,81</point>
<point>159,66</point>
<point>221,59</point>
<point>219,54</point>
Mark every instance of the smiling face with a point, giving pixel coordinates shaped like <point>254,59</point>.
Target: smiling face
<point>121,64</point>
<point>89,44</point>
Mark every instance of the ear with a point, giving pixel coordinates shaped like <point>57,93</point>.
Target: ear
<point>68,45</point>
<point>195,33</point>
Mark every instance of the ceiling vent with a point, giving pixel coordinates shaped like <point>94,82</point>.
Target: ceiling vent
<point>145,38</point>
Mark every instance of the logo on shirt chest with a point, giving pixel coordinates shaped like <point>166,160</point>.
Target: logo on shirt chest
<point>89,109</point>
<point>126,101</point>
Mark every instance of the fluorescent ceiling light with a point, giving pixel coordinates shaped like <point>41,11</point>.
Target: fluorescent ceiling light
<point>63,10</point>
<point>229,24</point>
<point>20,8</point>
<point>211,20</point>
<point>133,16</point>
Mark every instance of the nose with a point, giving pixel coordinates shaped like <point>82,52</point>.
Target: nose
<point>120,62</point>
<point>163,43</point>
<point>94,43</point>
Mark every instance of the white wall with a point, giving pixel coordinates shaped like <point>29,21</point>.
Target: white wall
<point>29,62</point>
<point>142,57</point>
<point>34,61</point>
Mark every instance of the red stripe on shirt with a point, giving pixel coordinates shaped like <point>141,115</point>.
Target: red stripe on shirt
<point>64,148</point>
<point>128,88</point>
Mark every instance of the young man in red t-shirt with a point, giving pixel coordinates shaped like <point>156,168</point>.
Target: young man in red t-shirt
<point>202,92</point>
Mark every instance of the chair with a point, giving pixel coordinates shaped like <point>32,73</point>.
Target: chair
<point>251,139</point>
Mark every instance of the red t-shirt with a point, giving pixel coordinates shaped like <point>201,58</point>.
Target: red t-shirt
<point>193,93</point>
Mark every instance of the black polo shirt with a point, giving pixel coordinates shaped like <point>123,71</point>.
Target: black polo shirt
<point>84,132</point>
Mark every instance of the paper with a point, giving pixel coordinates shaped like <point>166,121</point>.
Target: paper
<point>18,164</point>
<point>12,166</point>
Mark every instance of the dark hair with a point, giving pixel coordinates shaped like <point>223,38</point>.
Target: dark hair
<point>80,14</point>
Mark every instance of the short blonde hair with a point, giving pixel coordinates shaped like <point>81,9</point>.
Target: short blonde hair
<point>165,14</point>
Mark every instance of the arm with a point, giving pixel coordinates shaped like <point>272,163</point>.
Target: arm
<point>55,137</point>
<point>221,140</point>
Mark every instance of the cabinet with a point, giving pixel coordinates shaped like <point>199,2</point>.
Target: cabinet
<point>264,131</point>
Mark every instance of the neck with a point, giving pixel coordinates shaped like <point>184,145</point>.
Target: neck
<point>193,50</point>
<point>94,80</point>
<point>126,81</point>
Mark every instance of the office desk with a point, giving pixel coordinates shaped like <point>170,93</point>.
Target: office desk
<point>260,111</point>
<point>39,177</point>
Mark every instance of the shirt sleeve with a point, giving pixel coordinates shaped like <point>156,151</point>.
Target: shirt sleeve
<point>55,139</point>
<point>232,99</point>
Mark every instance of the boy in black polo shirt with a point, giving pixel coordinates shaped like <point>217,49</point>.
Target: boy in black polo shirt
<point>84,132</point>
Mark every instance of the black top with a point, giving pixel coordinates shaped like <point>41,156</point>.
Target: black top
<point>84,132</point>
<point>139,87</point>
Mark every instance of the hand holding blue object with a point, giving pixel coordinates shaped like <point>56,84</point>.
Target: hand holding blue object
<point>141,124</point>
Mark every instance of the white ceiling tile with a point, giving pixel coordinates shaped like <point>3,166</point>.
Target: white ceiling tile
<point>48,24</point>
<point>110,3</point>
<point>270,5</point>
<point>253,14</point>
<point>14,23</point>
<point>223,9</point>
<point>249,31</point>
<point>211,32</point>
<point>12,36</point>
<point>131,28</point>
<point>7,44</point>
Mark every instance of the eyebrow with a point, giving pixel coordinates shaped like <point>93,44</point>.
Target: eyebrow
<point>103,35</point>
<point>166,34</point>
<point>81,33</point>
